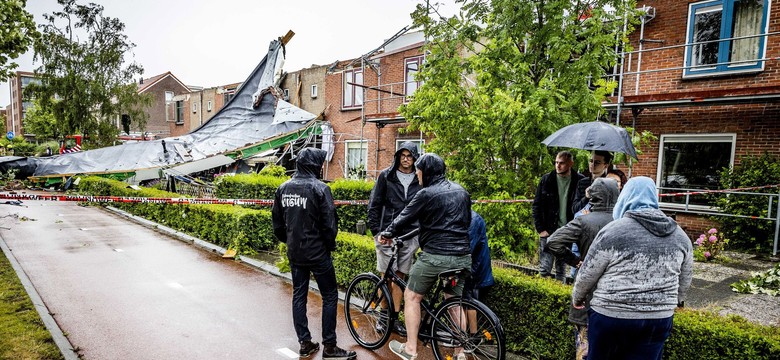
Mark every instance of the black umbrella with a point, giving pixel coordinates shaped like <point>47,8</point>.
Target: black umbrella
<point>594,135</point>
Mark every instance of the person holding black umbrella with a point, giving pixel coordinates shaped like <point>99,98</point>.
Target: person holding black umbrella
<point>598,166</point>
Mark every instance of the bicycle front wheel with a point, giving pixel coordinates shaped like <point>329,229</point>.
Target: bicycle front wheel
<point>367,311</point>
<point>467,326</point>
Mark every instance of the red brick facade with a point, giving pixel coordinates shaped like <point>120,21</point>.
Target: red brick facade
<point>746,105</point>
<point>383,96</point>
<point>158,121</point>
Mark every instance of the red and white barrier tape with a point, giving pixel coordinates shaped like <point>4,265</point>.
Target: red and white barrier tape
<point>263,202</point>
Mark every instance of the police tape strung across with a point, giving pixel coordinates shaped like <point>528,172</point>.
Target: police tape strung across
<point>290,202</point>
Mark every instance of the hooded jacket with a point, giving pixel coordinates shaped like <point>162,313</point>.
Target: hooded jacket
<point>303,213</point>
<point>582,230</point>
<point>640,265</point>
<point>388,197</point>
<point>443,209</point>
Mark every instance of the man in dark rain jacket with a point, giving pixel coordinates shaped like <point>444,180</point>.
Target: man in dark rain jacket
<point>602,194</point>
<point>304,218</point>
<point>443,209</point>
<point>394,189</point>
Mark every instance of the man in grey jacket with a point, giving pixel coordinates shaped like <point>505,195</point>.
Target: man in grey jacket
<point>639,269</point>
<point>602,194</point>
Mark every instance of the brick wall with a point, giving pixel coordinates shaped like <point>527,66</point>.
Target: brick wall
<point>156,123</point>
<point>670,27</point>
<point>347,124</point>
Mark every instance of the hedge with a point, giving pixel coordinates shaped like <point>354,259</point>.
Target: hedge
<point>245,230</point>
<point>260,186</point>
<point>533,310</point>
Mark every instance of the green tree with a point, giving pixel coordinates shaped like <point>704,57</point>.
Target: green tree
<point>505,74</point>
<point>42,123</point>
<point>85,82</point>
<point>17,32</point>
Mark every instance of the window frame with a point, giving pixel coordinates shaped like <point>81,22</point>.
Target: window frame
<point>314,91</point>
<point>420,144</point>
<point>364,147</point>
<point>690,138</point>
<point>723,67</point>
<point>208,106</point>
<point>169,96</point>
<point>353,96</point>
<point>179,112</point>
<point>418,59</point>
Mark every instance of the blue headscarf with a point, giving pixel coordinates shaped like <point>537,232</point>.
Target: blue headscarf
<point>638,193</point>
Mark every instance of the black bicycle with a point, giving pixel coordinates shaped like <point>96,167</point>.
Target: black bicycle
<point>450,326</point>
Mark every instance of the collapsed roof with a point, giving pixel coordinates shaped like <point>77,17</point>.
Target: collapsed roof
<point>255,120</point>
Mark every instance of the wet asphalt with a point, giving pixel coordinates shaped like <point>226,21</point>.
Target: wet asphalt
<point>120,290</point>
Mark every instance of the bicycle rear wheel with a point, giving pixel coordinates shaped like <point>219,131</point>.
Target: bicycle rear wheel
<point>467,326</point>
<point>367,311</point>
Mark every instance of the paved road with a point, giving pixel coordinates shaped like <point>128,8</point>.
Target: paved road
<point>120,290</point>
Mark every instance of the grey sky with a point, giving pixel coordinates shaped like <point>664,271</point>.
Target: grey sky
<point>210,43</point>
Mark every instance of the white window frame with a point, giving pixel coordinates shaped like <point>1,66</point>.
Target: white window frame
<point>420,144</point>
<point>314,91</point>
<point>208,105</point>
<point>347,77</point>
<point>194,107</point>
<point>419,60</point>
<point>347,147</point>
<point>690,138</point>
<point>169,97</point>
<point>286,94</point>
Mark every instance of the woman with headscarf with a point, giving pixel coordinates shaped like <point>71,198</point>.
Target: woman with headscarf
<point>638,269</point>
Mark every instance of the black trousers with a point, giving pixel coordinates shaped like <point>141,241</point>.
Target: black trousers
<point>325,276</point>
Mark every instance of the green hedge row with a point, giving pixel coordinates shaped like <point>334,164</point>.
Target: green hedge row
<point>533,310</point>
<point>261,186</point>
<point>245,230</point>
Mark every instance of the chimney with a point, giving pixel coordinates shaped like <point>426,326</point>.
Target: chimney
<point>141,82</point>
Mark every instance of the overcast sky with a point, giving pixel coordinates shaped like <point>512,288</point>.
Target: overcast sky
<point>210,43</point>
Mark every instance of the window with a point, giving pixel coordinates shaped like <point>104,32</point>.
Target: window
<point>721,37</point>
<point>693,162</point>
<point>168,96</point>
<point>229,94</point>
<point>420,144</point>
<point>355,158</point>
<point>413,66</point>
<point>286,94</point>
<point>208,106</point>
<point>194,107</point>
<point>352,96</point>
<point>314,91</point>
<point>180,112</point>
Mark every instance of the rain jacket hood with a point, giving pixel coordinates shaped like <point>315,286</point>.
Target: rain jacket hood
<point>432,167</point>
<point>603,194</point>
<point>309,162</point>
<point>639,201</point>
<point>409,146</point>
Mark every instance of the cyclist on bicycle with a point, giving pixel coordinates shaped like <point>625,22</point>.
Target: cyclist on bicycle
<point>443,209</point>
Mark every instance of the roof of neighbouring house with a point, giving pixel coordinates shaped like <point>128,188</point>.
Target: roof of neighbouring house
<point>146,84</point>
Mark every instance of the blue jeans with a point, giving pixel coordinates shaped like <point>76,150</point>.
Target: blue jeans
<point>626,339</point>
<point>546,261</point>
<point>325,276</point>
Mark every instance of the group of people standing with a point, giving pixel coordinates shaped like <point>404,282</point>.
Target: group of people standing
<point>634,263</point>
<point>412,193</point>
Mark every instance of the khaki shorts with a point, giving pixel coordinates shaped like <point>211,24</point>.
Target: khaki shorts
<point>405,256</point>
<point>425,272</point>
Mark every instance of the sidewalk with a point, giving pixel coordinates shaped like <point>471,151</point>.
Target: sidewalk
<point>711,289</point>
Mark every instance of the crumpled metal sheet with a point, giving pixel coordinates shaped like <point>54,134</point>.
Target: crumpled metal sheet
<point>238,124</point>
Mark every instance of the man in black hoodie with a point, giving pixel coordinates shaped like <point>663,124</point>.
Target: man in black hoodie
<point>394,189</point>
<point>443,209</point>
<point>304,218</point>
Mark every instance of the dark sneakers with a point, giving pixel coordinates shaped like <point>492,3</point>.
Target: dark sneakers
<point>308,348</point>
<point>334,352</point>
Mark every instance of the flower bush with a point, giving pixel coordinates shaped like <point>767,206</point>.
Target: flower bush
<point>709,245</point>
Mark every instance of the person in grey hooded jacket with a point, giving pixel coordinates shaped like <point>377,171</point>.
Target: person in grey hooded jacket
<point>639,269</point>
<point>602,194</point>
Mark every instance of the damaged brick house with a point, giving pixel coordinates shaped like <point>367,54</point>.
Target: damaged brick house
<point>363,97</point>
<point>705,80</point>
